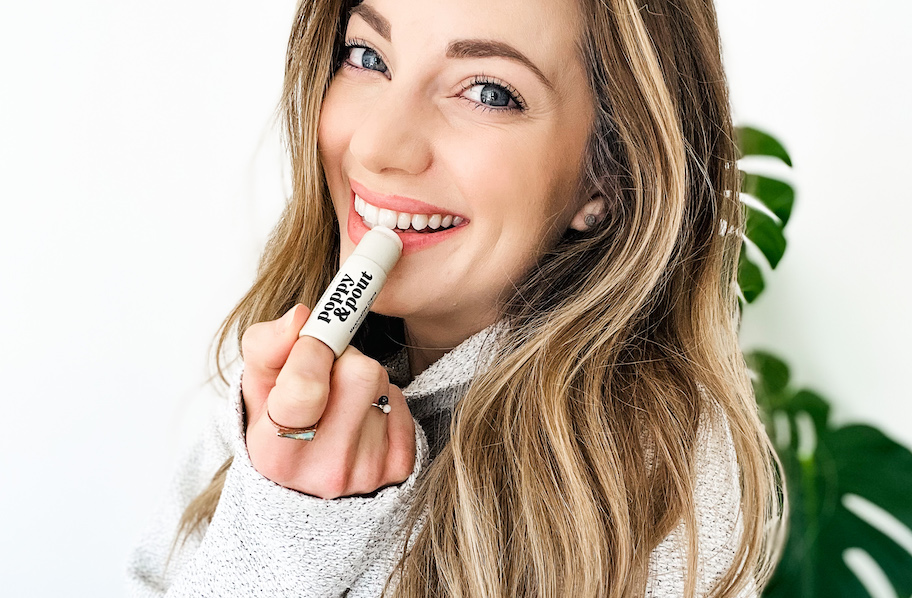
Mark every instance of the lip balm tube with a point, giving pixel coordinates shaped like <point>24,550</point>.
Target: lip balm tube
<point>344,305</point>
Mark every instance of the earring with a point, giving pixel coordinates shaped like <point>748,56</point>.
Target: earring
<point>593,218</point>
<point>589,215</point>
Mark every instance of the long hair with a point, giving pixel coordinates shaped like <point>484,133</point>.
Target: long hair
<point>615,343</point>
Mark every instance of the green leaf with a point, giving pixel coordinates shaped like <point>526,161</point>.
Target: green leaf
<point>750,278</point>
<point>858,451</point>
<point>766,234</point>
<point>753,142</point>
<point>778,196</point>
<point>811,403</point>
<point>772,373</point>
<point>855,449</point>
<point>854,459</point>
<point>893,559</point>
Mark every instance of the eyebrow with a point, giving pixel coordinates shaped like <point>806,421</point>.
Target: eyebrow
<point>461,48</point>
<point>377,21</point>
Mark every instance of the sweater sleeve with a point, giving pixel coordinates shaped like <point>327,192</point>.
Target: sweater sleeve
<point>267,540</point>
<point>152,565</point>
<point>719,518</point>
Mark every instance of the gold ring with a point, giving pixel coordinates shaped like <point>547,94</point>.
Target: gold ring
<point>307,433</point>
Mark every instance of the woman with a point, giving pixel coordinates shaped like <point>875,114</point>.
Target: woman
<point>575,418</point>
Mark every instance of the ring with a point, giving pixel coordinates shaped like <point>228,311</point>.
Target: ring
<point>307,433</point>
<point>383,404</point>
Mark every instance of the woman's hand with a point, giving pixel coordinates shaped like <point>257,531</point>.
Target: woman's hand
<point>357,448</point>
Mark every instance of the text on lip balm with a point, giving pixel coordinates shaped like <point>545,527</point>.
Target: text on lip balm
<point>344,299</point>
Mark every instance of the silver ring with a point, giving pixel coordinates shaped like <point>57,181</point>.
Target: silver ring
<point>383,404</point>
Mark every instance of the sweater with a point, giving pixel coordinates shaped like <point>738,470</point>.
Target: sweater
<point>267,540</point>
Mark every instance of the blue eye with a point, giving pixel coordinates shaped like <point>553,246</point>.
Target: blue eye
<point>491,95</point>
<point>365,58</point>
<point>484,92</point>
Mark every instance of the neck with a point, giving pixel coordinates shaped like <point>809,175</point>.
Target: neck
<point>426,342</point>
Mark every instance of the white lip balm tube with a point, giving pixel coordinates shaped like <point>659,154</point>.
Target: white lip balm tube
<point>344,305</point>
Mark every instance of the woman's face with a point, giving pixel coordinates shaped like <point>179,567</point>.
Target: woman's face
<point>475,111</point>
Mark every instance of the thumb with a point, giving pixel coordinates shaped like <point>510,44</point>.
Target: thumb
<point>286,331</point>
<point>265,347</point>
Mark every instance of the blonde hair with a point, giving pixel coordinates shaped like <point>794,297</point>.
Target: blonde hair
<point>615,343</point>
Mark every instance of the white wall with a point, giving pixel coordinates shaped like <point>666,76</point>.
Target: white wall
<point>133,213</point>
<point>138,178</point>
<point>830,79</point>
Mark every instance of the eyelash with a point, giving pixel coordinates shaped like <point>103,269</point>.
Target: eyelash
<point>480,79</point>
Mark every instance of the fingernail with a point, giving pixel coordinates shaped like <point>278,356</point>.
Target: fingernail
<point>284,324</point>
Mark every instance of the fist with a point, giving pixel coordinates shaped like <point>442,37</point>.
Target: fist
<point>357,448</point>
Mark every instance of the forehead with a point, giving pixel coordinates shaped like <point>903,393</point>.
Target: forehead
<point>546,31</point>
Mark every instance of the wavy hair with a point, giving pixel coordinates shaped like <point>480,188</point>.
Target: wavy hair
<point>615,343</point>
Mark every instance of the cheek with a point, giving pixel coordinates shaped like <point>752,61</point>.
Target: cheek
<point>518,179</point>
<point>333,131</point>
<point>508,193</point>
<point>490,168</point>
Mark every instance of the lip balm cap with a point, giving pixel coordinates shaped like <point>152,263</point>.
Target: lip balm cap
<point>381,246</point>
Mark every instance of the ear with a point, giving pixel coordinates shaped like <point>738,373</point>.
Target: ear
<point>592,212</point>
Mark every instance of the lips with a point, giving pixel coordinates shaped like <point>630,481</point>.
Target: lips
<point>419,224</point>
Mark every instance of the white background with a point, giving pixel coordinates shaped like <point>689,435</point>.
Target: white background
<point>140,173</point>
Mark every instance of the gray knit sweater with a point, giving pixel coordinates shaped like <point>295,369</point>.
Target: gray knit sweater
<point>266,540</point>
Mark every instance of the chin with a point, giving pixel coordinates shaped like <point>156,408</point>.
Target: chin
<point>388,305</point>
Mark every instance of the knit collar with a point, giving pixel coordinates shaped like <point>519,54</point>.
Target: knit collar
<point>441,385</point>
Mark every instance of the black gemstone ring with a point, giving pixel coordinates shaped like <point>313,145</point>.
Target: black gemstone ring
<point>383,404</point>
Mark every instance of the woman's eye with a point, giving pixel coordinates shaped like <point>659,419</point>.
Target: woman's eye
<point>487,94</point>
<point>492,95</point>
<point>366,58</point>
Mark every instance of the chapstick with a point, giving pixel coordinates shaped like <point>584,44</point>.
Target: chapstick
<point>344,305</point>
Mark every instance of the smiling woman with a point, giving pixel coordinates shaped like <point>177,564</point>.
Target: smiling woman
<point>461,126</point>
<point>562,408</point>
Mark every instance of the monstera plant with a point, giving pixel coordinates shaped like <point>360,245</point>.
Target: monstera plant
<point>823,464</point>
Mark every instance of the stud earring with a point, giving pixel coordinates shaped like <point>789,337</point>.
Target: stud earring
<point>590,220</point>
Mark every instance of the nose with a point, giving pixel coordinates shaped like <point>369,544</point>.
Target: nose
<point>394,133</point>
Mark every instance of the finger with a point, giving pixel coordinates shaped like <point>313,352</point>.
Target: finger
<point>369,465</point>
<point>348,453</point>
<point>386,451</point>
<point>265,347</point>
<point>357,382</point>
<point>302,387</point>
<point>400,460</point>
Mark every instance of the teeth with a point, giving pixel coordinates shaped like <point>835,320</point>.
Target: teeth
<point>388,218</point>
<point>373,215</point>
<point>419,221</point>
